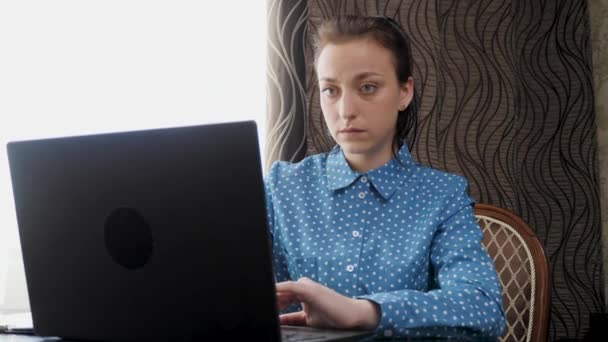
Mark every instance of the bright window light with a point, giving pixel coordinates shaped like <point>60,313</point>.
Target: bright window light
<point>82,67</point>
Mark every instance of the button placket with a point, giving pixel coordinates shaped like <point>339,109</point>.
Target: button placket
<point>361,191</point>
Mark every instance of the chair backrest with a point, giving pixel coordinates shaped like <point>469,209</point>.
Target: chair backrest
<point>523,272</point>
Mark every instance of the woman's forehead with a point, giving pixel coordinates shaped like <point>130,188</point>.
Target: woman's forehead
<point>354,59</point>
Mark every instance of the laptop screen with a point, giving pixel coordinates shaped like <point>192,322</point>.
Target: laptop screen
<point>156,234</point>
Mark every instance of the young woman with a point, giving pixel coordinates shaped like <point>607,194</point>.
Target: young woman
<point>363,236</point>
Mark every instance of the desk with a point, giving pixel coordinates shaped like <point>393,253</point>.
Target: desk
<point>26,338</point>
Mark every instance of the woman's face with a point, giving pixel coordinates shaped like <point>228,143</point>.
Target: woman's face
<point>360,98</point>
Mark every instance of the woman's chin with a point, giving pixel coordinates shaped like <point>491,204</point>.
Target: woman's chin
<point>353,148</point>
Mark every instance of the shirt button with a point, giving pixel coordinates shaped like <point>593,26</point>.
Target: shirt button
<point>363,179</point>
<point>356,233</point>
<point>350,268</point>
<point>362,195</point>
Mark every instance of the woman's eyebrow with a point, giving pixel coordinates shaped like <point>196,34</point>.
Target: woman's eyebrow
<point>366,75</point>
<point>327,79</point>
<point>358,77</point>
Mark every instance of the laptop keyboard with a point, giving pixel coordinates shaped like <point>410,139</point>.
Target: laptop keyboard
<point>294,334</point>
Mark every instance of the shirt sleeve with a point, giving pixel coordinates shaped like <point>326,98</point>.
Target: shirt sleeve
<point>466,299</point>
<point>278,257</point>
<point>279,261</point>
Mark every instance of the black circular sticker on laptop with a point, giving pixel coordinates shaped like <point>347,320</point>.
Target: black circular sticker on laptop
<point>128,238</point>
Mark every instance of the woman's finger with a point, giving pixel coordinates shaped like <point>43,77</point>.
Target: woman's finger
<point>293,318</point>
<point>285,299</point>
<point>302,289</point>
<point>288,286</point>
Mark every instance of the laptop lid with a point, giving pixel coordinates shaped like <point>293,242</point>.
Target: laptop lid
<point>148,235</point>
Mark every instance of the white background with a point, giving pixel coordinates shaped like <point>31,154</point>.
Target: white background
<point>81,67</point>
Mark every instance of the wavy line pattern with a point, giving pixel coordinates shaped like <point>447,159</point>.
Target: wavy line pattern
<point>286,94</point>
<point>506,99</point>
<point>598,13</point>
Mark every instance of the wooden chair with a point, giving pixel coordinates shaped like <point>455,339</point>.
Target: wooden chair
<point>523,271</point>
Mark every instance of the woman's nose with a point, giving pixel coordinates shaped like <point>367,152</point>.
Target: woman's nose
<point>347,106</point>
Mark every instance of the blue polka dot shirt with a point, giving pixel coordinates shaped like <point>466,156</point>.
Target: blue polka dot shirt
<point>403,236</point>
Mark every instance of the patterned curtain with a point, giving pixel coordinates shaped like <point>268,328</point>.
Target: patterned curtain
<point>507,101</point>
<point>286,118</point>
<point>599,41</point>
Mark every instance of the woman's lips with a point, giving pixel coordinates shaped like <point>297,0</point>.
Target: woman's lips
<point>351,133</point>
<point>351,130</point>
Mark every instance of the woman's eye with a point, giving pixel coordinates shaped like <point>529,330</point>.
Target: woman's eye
<point>368,88</point>
<point>328,91</point>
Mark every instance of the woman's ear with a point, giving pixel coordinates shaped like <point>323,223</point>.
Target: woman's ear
<point>406,93</point>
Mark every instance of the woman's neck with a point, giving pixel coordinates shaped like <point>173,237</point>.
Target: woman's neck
<point>363,163</point>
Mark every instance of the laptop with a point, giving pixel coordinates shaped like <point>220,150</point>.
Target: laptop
<point>151,235</point>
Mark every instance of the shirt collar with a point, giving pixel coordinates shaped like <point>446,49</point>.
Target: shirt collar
<point>339,173</point>
<point>386,178</point>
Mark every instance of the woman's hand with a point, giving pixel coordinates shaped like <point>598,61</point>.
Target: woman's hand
<point>324,307</point>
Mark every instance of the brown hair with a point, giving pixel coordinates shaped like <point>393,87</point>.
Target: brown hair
<point>391,36</point>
